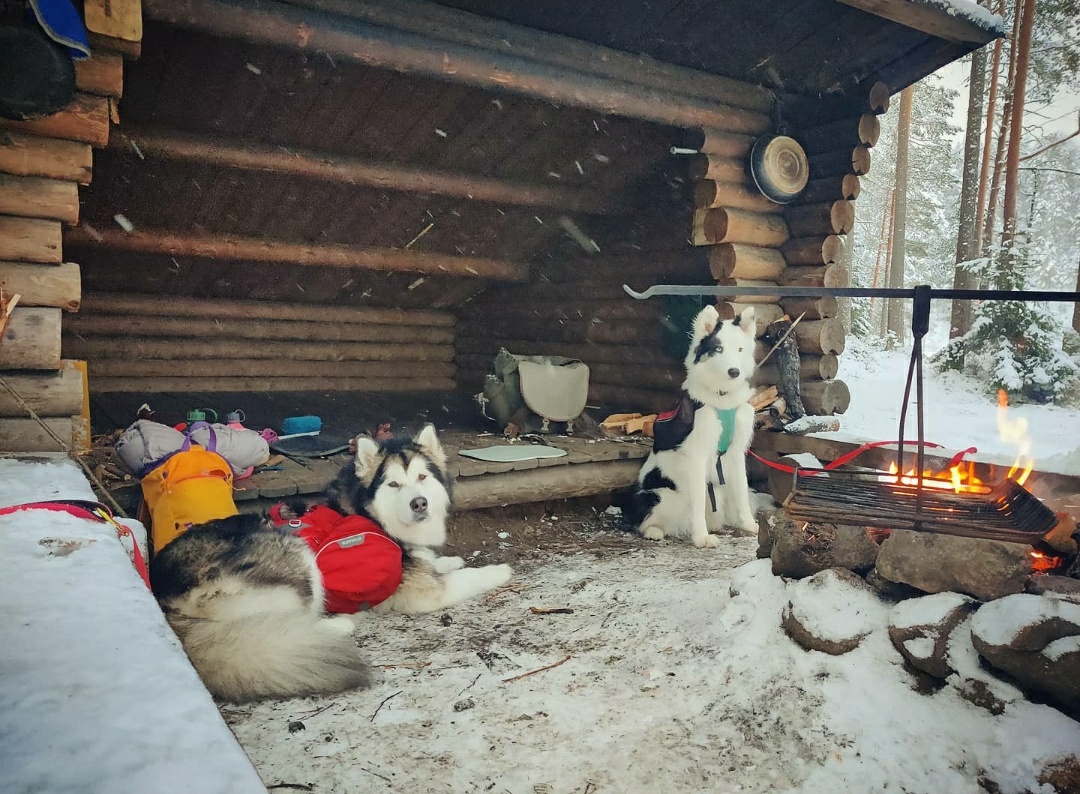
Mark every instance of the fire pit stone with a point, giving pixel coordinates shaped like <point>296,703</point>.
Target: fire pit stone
<point>984,569</point>
<point>837,625</point>
<point>920,629</point>
<point>800,549</point>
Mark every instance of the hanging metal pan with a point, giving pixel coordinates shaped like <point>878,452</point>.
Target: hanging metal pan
<point>779,167</point>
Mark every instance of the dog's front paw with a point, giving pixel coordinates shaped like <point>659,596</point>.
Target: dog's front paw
<point>652,533</point>
<point>447,564</point>
<point>709,541</point>
<point>497,575</point>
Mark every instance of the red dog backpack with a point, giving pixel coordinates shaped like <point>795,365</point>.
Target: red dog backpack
<point>359,563</point>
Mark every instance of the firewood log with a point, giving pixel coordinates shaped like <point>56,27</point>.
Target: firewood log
<point>732,260</point>
<point>22,154</point>
<point>811,251</point>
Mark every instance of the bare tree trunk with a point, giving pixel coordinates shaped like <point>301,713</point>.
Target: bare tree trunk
<point>1016,125</point>
<point>882,263</point>
<point>1076,306</point>
<point>967,233</point>
<point>984,171</point>
<point>1003,134</point>
<point>895,322</point>
<point>847,257</point>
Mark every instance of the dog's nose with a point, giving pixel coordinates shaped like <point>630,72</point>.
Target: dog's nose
<point>733,372</point>
<point>418,505</point>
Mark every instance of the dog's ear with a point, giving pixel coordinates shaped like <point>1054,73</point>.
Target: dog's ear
<point>706,321</point>
<point>367,451</point>
<point>746,321</point>
<point>428,441</point>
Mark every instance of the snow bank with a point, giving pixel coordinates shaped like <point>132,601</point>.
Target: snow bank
<point>927,610</point>
<point>1001,621</point>
<point>96,694</point>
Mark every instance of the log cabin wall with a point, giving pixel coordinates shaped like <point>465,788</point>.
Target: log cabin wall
<point>43,164</point>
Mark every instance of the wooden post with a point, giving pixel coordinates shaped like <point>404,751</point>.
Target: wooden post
<point>30,240</point>
<point>32,340</point>
<point>738,226</point>
<point>26,435</point>
<point>35,197</point>
<point>552,482</point>
<point>227,247</point>
<point>30,155</point>
<point>43,285</point>
<point>788,366</point>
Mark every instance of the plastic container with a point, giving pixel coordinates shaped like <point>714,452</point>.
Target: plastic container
<point>235,419</point>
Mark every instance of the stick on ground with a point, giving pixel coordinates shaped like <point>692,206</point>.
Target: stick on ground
<point>538,670</point>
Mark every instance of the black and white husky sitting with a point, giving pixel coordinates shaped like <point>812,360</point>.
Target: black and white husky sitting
<point>247,600</point>
<point>687,488</point>
<point>403,486</point>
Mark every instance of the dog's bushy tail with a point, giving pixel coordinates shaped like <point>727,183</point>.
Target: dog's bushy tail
<point>274,654</point>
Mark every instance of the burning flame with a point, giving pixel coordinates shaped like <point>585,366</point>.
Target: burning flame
<point>1015,431</point>
<point>1045,562</point>
<point>961,476</point>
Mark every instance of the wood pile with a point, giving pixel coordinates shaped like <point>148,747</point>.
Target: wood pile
<point>753,242</point>
<point>43,162</point>
<point>172,344</point>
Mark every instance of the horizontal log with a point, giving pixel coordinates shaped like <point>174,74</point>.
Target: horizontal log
<point>827,276</point>
<point>814,111</point>
<point>734,260</point>
<point>825,397</point>
<point>939,21</point>
<point>176,306</point>
<point>339,169</point>
<point>253,249</point>
<point>832,217</point>
<point>844,161</point>
<point>738,226</point>
<point>812,308</point>
<point>182,348</point>
<point>204,385</point>
<point>31,155</point>
<point>447,24</point>
<point>811,367</point>
<point>130,50</point>
<point>820,337</point>
<point>629,397</point>
<point>32,340</point>
<point>488,346</point>
<point>862,130</point>
<point>721,143</point>
<point>544,484</point>
<point>661,377</point>
<point>748,299</point>
<point>709,194</point>
<point>57,393</point>
<point>37,197</point>
<point>26,435</point>
<point>714,167</point>
<point>101,74</point>
<point>30,240</point>
<point>830,188</point>
<point>276,24</point>
<point>765,314</point>
<point>565,331</point>
<point>59,286</point>
<point>233,368</point>
<point>811,251</point>
<point>511,308</point>
<point>196,329</point>
<point>85,119</point>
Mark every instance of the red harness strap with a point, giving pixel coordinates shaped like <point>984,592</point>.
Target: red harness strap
<point>850,456</point>
<point>92,511</point>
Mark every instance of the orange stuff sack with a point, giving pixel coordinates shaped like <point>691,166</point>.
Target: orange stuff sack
<point>191,486</point>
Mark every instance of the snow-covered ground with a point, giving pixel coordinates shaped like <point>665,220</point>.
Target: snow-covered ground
<point>958,412</point>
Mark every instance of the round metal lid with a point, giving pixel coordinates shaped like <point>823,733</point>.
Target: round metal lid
<point>780,168</point>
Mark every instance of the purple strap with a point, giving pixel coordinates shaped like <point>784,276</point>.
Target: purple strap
<point>212,446</point>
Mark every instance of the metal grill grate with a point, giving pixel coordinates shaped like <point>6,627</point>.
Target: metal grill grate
<point>1006,512</point>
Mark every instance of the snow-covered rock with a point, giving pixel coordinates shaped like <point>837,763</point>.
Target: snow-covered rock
<point>920,629</point>
<point>1035,640</point>
<point>831,611</point>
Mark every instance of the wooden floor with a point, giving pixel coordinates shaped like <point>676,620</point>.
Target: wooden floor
<point>592,464</point>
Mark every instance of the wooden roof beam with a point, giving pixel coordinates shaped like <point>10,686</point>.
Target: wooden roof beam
<point>287,252</point>
<point>279,24</point>
<point>936,18</point>
<point>354,171</point>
